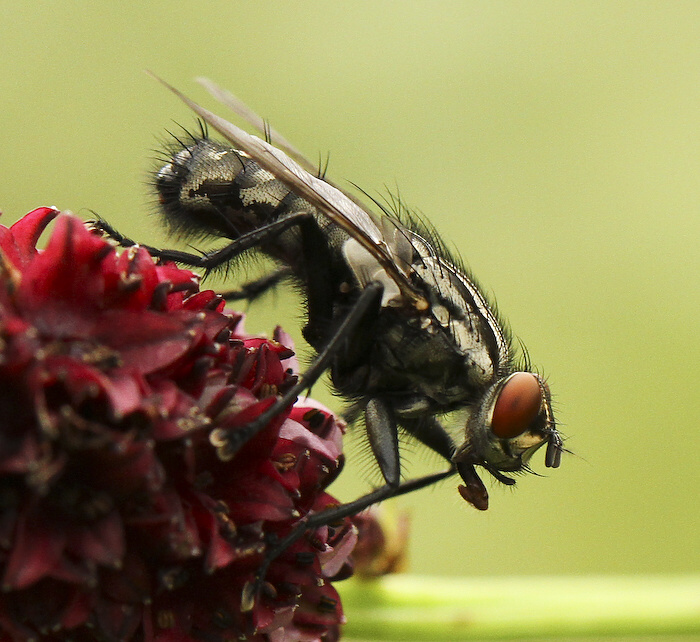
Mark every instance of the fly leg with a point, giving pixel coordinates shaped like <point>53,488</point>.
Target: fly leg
<point>383,435</point>
<point>429,431</point>
<point>253,289</point>
<point>329,516</point>
<point>230,441</point>
<point>211,260</point>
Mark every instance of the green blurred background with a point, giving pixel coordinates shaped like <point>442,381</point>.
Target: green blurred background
<point>556,144</point>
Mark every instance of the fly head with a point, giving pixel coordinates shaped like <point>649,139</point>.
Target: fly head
<point>511,422</point>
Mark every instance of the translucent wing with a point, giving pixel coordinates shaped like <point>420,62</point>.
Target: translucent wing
<point>238,107</point>
<point>384,242</point>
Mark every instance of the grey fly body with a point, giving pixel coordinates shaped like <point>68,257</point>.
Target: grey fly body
<point>405,333</point>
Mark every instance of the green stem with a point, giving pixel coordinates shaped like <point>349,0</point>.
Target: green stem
<point>405,607</point>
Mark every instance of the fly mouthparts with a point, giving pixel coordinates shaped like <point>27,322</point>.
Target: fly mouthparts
<point>473,490</point>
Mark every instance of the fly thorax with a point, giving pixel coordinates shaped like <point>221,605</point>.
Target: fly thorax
<point>416,354</point>
<point>456,315</point>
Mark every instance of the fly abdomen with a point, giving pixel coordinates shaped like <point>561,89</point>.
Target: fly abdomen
<point>212,190</point>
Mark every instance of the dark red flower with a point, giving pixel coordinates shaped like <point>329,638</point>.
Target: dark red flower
<point>120,518</point>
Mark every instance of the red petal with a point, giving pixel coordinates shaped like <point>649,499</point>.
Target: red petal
<point>19,241</point>
<point>77,611</point>
<point>64,273</point>
<point>101,542</point>
<point>203,301</point>
<point>257,498</point>
<point>297,433</point>
<point>147,341</point>
<point>37,552</point>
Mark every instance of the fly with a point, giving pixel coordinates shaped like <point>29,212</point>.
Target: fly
<point>404,330</point>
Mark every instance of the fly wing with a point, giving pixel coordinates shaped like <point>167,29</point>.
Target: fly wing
<point>356,221</point>
<point>238,107</point>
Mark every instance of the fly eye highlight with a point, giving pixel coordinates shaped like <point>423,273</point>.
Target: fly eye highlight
<point>517,405</point>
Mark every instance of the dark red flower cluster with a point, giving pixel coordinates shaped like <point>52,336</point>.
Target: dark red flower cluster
<point>119,518</point>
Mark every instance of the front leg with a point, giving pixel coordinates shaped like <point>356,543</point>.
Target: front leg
<point>430,431</point>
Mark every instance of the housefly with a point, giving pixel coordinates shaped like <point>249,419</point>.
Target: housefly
<point>403,329</point>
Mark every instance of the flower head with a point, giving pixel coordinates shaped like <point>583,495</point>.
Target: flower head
<point>119,519</point>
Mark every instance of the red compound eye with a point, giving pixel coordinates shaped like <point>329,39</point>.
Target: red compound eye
<point>517,405</point>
